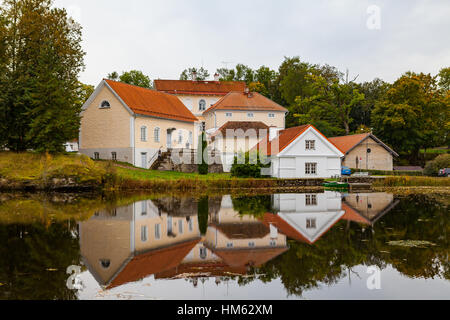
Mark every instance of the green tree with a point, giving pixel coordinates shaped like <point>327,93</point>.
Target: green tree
<point>133,77</point>
<point>202,155</point>
<point>194,73</point>
<point>113,76</point>
<point>43,60</point>
<point>444,79</point>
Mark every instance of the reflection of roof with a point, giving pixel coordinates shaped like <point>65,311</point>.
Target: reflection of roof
<point>219,88</point>
<point>348,143</point>
<point>153,262</point>
<point>284,227</point>
<point>243,230</point>
<point>189,270</point>
<point>151,103</point>
<point>352,214</point>
<point>247,102</point>
<point>249,257</point>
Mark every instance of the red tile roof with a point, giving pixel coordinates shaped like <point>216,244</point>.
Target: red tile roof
<point>284,227</point>
<point>284,139</point>
<point>219,88</point>
<point>153,262</point>
<point>348,143</point>
<point>152,103</point>
<point>243,101</point>
<point>249,257</point>
<point>353,215</point>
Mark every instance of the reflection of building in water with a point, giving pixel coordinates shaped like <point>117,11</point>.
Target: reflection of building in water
<point>368,208</point>
<point>130,243</point>
<point>305,217</point>
<point>242,241</point>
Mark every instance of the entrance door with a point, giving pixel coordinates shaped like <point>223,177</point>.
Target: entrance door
<point>144,160</point>
<point>169,139</point>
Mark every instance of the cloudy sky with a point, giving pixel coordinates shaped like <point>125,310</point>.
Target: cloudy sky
<point>371,38</point>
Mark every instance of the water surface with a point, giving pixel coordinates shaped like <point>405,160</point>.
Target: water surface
<point>281,246</point>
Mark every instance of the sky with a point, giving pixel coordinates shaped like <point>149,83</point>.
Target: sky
<point>370,38</point>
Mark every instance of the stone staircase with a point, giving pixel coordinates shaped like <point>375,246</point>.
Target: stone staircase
<point>183,160</point>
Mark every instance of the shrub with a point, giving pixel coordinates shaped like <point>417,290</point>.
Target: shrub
<point>389,173</point>
<point>441,162</point>
<point>249,165</point>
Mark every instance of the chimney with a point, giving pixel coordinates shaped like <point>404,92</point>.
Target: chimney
<point>194,76</point>
<point>273,133</point>
<point>217,77</point>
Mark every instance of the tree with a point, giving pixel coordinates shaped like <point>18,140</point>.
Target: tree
<point>43,60</point>
<point>413,115</point>
<point>133,77</point>
<point>202,155</point>
<point>444,79</point>
<point>194,74</point>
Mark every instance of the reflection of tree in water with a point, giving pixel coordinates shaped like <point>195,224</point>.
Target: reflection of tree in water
<point>305,267</point>
<point>256,206</point>
<point>34,259</point>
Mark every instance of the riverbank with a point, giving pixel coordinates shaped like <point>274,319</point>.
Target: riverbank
<point>75,173</point>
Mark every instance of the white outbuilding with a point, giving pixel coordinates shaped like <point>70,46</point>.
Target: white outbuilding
<point>302,152</point>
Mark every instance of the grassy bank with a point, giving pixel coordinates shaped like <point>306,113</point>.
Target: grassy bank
<point>412,182</point>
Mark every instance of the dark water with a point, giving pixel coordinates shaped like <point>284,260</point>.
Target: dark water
<point>282,246</point>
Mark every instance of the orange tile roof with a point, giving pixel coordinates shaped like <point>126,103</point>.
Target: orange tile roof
<point>348,143</point>
<point>219,88</point>
<point>243,101</point>
<point>152,103</point>
<point>153,262</point>
<point>192,270</point>
<point>353,215</point>
<point>249,257</point>
<point>284,139</point>
<point>284,227</point>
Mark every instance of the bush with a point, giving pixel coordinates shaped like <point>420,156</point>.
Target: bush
<point>249,165</point>
<point>441,162</point>
<point>390,173</point>
<point>203,166</point>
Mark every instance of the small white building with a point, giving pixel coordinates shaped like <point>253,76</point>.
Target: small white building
<point>302,152</point>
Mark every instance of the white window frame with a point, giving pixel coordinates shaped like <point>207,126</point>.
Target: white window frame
<point>311,223</point>
<point>144,132</point>
<point>157,133</point>
<point>311,200</point>
<point>96,156</point>
<point>271,115</point>
<point>202,105</point>
<point>180,137</point>
<point>158,231</point>
<point>250,115</point>
<point>114,156</point>
<point>144,233</point>
<point>310,144</point>
<point>105,101</point>
<point>229,115</point>
<point>311,168</point>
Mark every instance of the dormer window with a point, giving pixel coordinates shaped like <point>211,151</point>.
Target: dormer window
<point>202,105</point>
<point>105,105</point>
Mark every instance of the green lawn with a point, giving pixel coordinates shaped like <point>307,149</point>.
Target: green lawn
<point>141,174</point>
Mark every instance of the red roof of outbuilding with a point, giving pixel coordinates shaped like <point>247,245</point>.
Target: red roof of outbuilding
<point>219,88</point>
<point>151,103</point>
<point>246,101</point>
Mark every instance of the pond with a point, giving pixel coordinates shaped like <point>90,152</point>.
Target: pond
<point>273,246</point>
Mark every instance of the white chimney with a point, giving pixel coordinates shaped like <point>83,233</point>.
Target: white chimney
<point>194,76</point>
<point>273,133</point>
<point>217,77</point>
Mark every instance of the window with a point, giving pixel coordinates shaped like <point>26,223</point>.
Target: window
<point>180,226</point>
<point>311,168</point>
<point>203,253</point>
<point>143,134</point>
<point>251,244</point>
<point>105,263</point>
<point>311,224</point>
<point>157,231</point>
<point>96,156</point>
<point>114,156</point>
<point>250,115</point>
<point>203,128</point>
<point>191,225</point>
<point>271,115</point>
<point>113,213</point>
<point>310,145</point>
<point>230,245</point>
<point>311,200</point>
<point>105,105</point>
<point>143,208</point>
<point>229,115</point>
<point>273,243</point>
<point>202,105</point>
<point>157,134</point>
<point>144,233</point>
<point>180,137</point>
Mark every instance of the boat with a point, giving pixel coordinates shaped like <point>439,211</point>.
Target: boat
<point>337,185</point>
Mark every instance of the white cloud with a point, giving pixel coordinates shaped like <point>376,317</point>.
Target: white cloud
<point>162,38</point>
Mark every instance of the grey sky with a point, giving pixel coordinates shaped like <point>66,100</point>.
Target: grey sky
<point>162,38</point>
